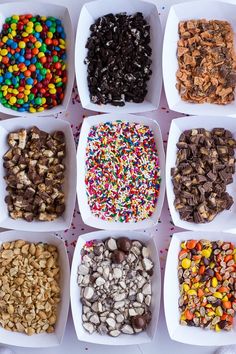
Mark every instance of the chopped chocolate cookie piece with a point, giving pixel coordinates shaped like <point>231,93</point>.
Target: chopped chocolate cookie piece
<point>118,59</point>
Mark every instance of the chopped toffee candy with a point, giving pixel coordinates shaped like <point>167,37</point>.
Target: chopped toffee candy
<point>204,166</point>
<point>115,287</point>
<point>35,174</point>
<point>118,59</point>
<point>206,61</point>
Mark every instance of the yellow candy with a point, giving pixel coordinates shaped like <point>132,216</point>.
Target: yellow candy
<point>214,282</point>
<point>219,311</point>
<point>12,100</point>
<point>183,317</point>
<point>210,313</point>
<point>186,287</point>
<point>25,34</point>
<point>30,24</point>
<point>195,286</point>
<point>28,87</point>
<point>218,295</point>
<point>37,44</point>
<point>62,46</point>
<point>194,269</point>
<point>41,54</point>
<point>26,99</point>
<point>5,93</point>
<point>15,91</point>
<point>43,100</point>
<point>225,298</point>
<point>49,35</point>
<point>15,68</point>
<point>38,28</point>
<point>13,33</point>
<point>61,41</point>
<point>16,17</point>
<point>51,85</point>
<point>10,69</point>
<point>13,26</point>
<point>43,18</point>
<point>209,306</point>
<point>27,92</point>
<point>4,52</point>
<point>192,292</point>
<point>40,109</point>
<point>29,29</point>
<point>21,44</point>
<point>5,39</point>
<point>207,252</point>
<point>186,262</point>
<point>4,87</point>
<point>217,328</point>
<point>52,92</point>
<point>32,109</point>
<point>212,265</point>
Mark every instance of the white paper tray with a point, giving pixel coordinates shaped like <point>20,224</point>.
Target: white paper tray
<point>143,337</point>
<point>48,124</point>
<point>87,215</point>
<point>186,334</point>
<point>224,221</point>
<point>42,340</point>
<point>45,9</point>
<point>90,12</point>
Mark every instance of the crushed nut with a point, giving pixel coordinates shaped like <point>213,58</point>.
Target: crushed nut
<point>29,295</point>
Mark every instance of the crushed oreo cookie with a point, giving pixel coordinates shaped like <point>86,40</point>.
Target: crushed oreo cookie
<point>204,167</point>
<point>118,59</point>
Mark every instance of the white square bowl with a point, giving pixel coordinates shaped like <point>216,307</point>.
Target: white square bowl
<point>49,125</point>
<point>88,217</point>
<point>42,340</point>
<point>45,9</point>
<point>76,306</point>
<point>207,9</point>
<point>89,14</point>
<point>224,221</point>
<point>177,332</point>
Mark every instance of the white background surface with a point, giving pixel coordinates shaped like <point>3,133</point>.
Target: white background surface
<point>162,343</point>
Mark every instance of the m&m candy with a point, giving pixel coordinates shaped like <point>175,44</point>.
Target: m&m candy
<point>33,72</point>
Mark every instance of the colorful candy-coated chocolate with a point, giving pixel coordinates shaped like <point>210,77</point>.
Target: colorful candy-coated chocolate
<point>33,72</point>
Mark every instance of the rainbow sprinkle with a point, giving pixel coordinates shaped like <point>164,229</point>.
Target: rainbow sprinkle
<point>122,171</point>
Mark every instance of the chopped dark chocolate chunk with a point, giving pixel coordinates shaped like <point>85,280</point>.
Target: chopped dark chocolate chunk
<point>204,167</point>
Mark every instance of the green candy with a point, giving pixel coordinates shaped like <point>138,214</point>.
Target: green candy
<point>20,101</point>
<point>31,97</point>
<point>8,82</point>
<point>43,71</point>
<point>38,65</point>
<point>55,58</point>
<point>38,101</point>
<point>43,48</point>
<point>52,29</point>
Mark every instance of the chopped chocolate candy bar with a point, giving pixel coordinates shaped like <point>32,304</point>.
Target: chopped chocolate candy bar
<point>204,167</point>
<point>35,174</point>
